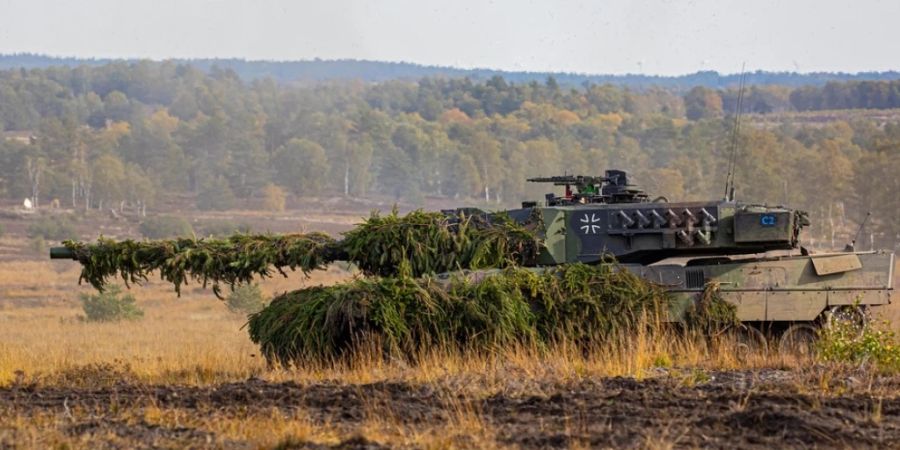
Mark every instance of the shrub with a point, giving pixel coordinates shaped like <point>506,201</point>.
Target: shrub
<point>273,198</point>
<point>165,227</point>
<point>52,228</point>
<point>246,298</point>
<point>110,306</point>
<point>2,230</point>
<point>221,228</point>
<point>844,342</point>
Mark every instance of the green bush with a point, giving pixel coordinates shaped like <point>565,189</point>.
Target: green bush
<point>110,306</point>
<point>221,228</point>
<point>2,230</point>
<point>52,228</point>
<point>246,298</point>
<point>166,227</point>
<point>844,342</point>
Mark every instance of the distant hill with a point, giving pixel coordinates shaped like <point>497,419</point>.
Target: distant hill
<point>375,71</point>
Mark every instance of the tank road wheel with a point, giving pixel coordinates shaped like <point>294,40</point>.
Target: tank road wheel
<point>799,339</point>
<point>748,341</point>
<point>852,317</point>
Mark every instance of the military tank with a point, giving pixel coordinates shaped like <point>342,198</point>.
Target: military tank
<point>750,253</point>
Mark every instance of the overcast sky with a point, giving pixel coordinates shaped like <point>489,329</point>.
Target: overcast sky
<point>654,36</point>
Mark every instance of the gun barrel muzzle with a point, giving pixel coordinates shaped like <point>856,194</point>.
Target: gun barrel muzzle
<point>61,253</point>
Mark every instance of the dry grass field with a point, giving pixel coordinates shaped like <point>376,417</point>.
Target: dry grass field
<point>187,376</point>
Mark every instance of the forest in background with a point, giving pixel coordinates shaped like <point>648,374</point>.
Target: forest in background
<point>376,71</point>
<point>130,134</point>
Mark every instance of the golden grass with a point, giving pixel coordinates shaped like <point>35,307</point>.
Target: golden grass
<point>193,339</point>
<point>199,342</point>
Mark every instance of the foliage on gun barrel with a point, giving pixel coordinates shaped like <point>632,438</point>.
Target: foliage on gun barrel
<point>581,303</point>
<point>432,242</point>
<point>429,242</point>
<point>236,259</point>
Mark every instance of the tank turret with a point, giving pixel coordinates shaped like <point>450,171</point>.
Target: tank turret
<point>611,188</point>
<point>599,216</point>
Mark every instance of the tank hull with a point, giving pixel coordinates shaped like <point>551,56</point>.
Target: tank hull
<point>797,288</point>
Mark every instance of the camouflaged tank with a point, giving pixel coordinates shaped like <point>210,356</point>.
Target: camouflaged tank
<point>751,253</point>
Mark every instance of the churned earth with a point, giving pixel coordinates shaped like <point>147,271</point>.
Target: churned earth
<point>669,408</point>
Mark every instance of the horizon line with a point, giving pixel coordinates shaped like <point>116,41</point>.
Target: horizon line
<point>433,66</point>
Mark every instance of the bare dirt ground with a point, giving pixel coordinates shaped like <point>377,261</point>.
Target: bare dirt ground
<point>763,409</point>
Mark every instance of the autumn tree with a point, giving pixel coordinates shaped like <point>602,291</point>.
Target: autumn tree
<point>702,103</point>
<point>108,181</point>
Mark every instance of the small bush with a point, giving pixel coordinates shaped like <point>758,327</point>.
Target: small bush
<point>2,230</point>
<point>221,228</point>
<point>246,298</point>
<point>166,227</point>
<point>844,342</point>
<point>273,198</point>
<point>110,306</point>
<point>52,228</point>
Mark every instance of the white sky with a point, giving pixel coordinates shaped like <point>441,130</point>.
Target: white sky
<point>653,36</point>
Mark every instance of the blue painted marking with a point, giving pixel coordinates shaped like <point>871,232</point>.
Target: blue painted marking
<point>767,220</point>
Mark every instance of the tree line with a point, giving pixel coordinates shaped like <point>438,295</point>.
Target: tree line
<point>133,133</point>
<point>379,71</point>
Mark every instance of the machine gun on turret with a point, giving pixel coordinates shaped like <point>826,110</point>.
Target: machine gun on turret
<point>611,188</point>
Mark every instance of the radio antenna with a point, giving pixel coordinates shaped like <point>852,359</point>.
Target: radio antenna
<point>859,230</point>
<point>735,131</point>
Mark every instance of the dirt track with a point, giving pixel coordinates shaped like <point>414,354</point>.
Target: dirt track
<point>724,410</point>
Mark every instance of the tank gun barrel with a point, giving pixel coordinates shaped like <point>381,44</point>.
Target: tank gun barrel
<point>562,180</point>
<point>61,253</point>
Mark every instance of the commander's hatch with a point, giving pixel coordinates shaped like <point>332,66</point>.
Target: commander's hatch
<point>827,265</point>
